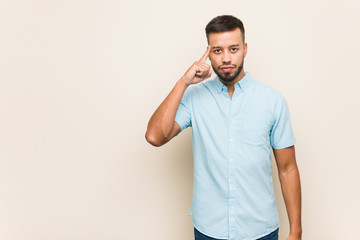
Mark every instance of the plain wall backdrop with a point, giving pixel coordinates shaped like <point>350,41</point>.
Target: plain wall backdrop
<point>80,79</point>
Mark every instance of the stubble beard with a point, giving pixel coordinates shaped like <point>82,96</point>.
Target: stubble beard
<point>227,77</point>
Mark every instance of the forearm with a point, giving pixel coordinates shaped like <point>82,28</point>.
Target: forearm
<point>162,127</point>
<point>291,189</point>
<point>162,121</point>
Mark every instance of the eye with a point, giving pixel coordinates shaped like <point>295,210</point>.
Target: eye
<point>233,49</point>
<point>217,50</point>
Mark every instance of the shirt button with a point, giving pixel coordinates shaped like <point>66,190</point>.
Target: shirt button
<point>231,139</point>
<point>231,160</point>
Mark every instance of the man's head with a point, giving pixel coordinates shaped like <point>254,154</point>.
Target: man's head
<point>226,38</point>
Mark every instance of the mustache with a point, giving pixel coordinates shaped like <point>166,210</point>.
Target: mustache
<point>227,65</point>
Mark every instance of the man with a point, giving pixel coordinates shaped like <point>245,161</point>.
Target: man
<point>235,121</point>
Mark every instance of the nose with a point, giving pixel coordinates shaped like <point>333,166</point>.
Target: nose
<point>226,57</point>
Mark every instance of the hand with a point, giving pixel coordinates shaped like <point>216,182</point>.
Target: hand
<point>294,237</point>
<point>199,71</point>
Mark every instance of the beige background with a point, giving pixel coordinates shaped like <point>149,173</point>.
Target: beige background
<point>80,79</point>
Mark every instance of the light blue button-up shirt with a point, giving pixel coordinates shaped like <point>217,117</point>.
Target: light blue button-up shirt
<point>233,195</point>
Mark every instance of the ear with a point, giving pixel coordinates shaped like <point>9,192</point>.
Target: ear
<point>245,49</point>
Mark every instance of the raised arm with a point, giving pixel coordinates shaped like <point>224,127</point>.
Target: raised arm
<point>291,190</point>
<point>162,126</point>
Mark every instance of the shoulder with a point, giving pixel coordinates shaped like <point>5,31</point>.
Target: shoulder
<point>266,89</point>
<point>267,92</point>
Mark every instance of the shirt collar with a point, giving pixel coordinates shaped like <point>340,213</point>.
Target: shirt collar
<point>243,84</point>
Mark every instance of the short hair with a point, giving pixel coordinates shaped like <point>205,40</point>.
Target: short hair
<point>224,23</point>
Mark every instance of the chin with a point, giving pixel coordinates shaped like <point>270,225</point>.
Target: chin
<point>227,77</point>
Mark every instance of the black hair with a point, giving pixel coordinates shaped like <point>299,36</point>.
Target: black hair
<point>224,23</point>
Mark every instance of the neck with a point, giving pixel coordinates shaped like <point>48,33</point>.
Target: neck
<point>230,85</point>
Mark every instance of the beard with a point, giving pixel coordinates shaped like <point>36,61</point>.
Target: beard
<point>227,77</point>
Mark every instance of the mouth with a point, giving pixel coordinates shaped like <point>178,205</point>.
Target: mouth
<point>227,68</point>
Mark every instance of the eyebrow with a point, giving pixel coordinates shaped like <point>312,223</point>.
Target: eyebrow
<point>234,45</point>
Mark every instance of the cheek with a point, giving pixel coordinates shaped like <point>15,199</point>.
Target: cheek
<point>239,56</point>
<point>214,59</point>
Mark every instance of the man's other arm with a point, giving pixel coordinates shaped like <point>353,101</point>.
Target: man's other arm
<point>291,189</point>
<point>162,126</point>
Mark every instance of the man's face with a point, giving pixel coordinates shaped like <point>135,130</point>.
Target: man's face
<point>227,54</point>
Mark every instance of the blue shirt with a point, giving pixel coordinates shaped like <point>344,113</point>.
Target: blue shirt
<point>233,195</point>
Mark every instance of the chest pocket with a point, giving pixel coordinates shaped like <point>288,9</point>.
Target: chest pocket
<point>254,131</point>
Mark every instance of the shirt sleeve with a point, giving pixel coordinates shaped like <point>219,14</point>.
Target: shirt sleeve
<point>282,135</point>
<point>183,113</point>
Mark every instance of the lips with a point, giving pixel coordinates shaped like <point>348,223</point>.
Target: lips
<point>226,68</point>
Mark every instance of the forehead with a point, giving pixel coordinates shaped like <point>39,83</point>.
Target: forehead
<point>224,39</point>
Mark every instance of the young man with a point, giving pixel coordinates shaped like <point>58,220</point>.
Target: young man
<point>235,121</point>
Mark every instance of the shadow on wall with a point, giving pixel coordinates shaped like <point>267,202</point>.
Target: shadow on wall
<point>180,156</point>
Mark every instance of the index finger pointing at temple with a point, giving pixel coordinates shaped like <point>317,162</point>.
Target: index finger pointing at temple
<point>206,54</point>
